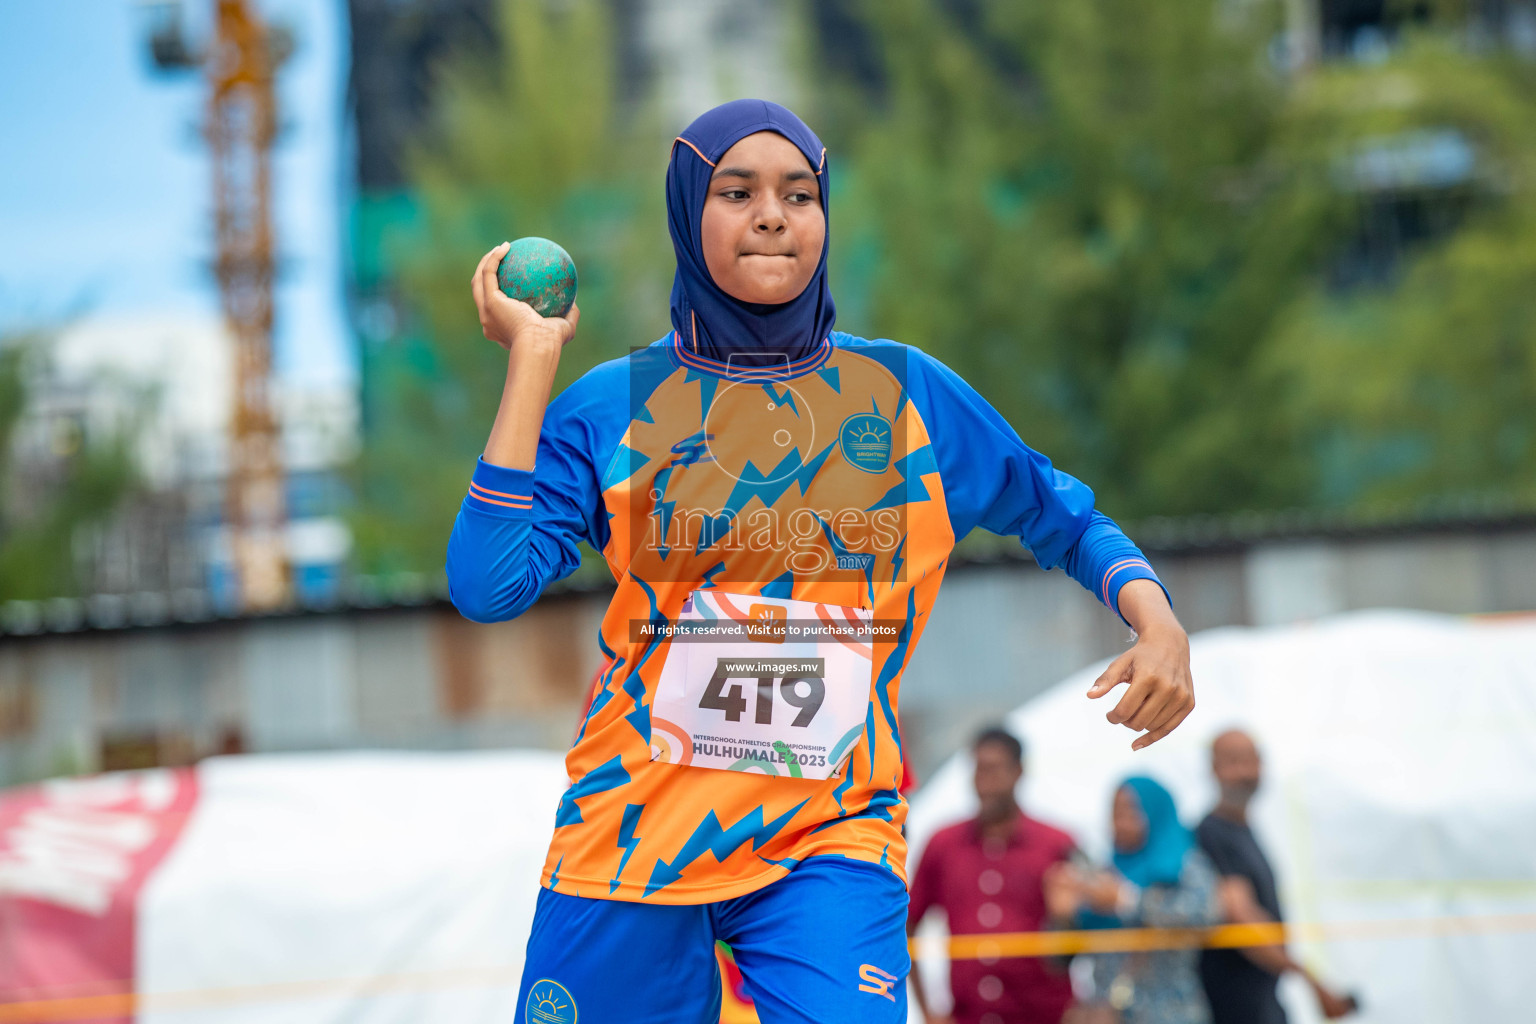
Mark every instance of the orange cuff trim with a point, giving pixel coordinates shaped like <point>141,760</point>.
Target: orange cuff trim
<point>500,494</point>
<point>504,504</point>
<point>1123,564</point>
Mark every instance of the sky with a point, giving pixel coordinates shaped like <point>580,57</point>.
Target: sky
<point>105,184</point>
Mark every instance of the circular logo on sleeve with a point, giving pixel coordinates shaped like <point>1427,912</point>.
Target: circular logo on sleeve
<point>865,438</point>
<point>550,1003</point>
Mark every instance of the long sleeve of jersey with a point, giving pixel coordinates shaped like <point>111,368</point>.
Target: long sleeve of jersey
<point>992,479</point>
<point>518,531</point>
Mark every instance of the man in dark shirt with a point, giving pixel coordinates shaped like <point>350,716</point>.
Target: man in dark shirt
<point>1240,984</point>
<point>986,875</point>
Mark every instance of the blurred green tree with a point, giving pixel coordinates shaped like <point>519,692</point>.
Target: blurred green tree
<point>1120,221</point>
<point>533,142</point>
<point>1426,384</point>
<point>1088,209</point>
<point>47,498</point>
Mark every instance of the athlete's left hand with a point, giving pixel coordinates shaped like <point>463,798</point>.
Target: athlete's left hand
<point>1161,693</point>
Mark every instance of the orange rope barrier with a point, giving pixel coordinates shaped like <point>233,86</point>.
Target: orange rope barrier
<point>1226,936</point>
<point>58,1010</point>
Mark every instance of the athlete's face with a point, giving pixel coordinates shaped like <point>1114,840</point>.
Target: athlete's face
<point>762,228</point>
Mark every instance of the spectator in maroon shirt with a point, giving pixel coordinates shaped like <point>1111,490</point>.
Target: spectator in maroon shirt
<point>986,875</point>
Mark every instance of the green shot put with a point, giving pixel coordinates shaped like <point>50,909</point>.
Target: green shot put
<point>540,273</point>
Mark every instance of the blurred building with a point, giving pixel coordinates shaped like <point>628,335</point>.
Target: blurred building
<point>395,48</point>
<point>687,55</point>
<point>1364,29</point>
<point>1413,188</point>
<point>165,381</point>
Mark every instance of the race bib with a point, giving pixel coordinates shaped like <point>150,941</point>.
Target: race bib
<point>759,684</point>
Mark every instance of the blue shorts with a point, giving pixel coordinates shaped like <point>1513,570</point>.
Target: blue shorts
<point>827,942</point>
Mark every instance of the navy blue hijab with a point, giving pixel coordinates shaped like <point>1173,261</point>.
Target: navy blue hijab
<point>710,323</point>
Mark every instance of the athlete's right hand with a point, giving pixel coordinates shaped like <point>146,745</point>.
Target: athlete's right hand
<point>508,322</point>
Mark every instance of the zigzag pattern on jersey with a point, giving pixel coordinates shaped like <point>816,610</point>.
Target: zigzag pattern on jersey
<point>681,506</point>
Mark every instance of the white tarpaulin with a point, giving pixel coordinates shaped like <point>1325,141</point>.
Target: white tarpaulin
<point>1400,785</point>
<point>375,888</point>
<point>369,888</point>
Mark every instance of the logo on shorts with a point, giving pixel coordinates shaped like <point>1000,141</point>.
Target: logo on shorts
<point>550,1003</point>
<point>877,981</point>
<point>865,438</point>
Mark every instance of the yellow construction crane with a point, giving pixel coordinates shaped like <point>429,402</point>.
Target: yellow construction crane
<point>240,62</point>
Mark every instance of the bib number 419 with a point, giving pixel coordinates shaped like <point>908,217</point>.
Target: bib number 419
<point>801,686</point>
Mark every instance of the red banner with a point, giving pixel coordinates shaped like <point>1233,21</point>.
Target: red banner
<point>74,854</point>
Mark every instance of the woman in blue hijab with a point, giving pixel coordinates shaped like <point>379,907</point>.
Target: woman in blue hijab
<point>1164,841</point>
<point>1160,879</point>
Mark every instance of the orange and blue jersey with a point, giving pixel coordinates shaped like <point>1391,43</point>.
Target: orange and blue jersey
<point>838,483</point>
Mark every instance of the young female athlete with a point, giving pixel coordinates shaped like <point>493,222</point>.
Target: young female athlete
<point>777,502</point>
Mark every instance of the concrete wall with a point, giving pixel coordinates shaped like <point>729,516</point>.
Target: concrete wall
<point>425,677</point>
<point>390,678</point>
